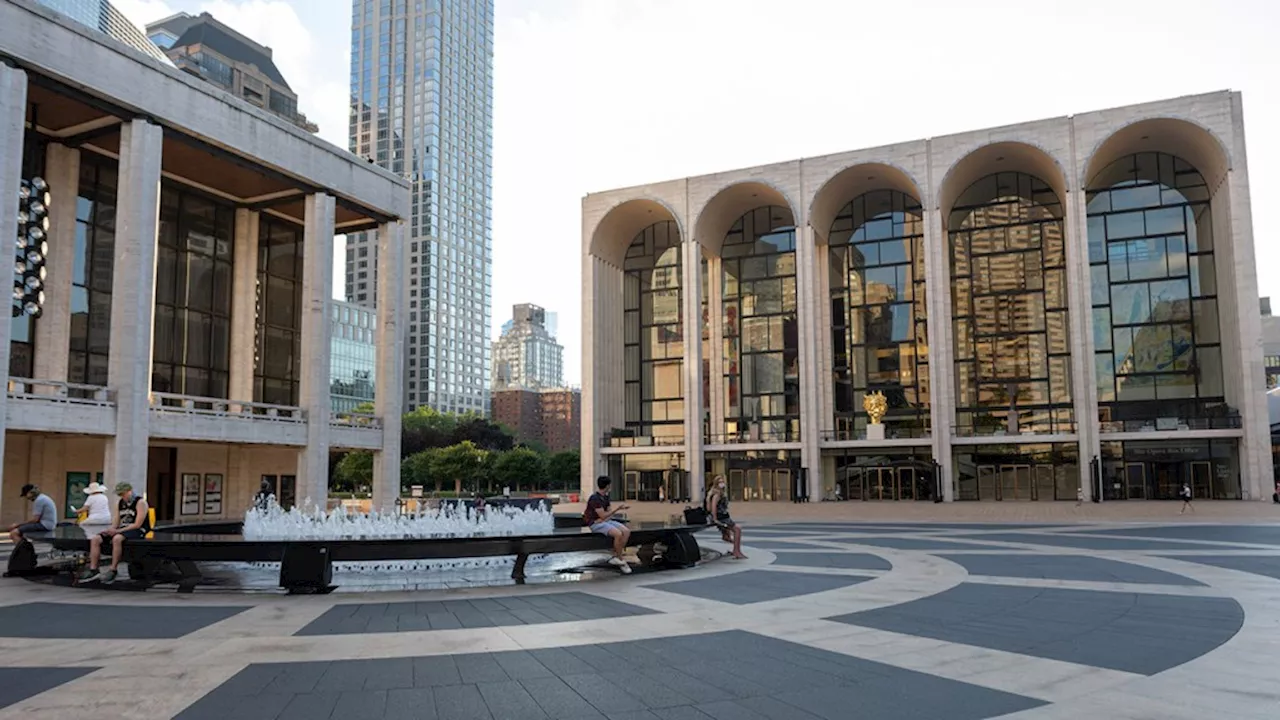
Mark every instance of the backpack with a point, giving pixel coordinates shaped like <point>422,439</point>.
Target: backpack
<point>22,561</point>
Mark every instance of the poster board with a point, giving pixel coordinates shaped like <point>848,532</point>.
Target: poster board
<point>76,483</point>
<point>189,502</point>
<point>213,494</point>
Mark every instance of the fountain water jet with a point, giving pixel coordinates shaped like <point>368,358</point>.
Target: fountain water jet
<point>272,522</point>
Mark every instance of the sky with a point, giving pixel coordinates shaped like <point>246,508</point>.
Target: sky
<point>591,95</point>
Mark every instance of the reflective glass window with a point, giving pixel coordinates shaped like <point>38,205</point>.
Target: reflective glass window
<point>653,332</point>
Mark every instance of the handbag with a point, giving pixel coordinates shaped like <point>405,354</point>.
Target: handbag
<point>696,516</point>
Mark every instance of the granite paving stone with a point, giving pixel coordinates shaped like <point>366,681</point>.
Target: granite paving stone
<point>1066,567</point>
<point>49,620</point>
<point>1103,629</point>
<point>1266,565</point>
<point>358,618</point>
<point>1091,543</point>
<point>1252,534</point>
<point>411,704</point>
<point>910,543</point>
<point>19,683</point>
<point>508,700</point>
<point>843,561</point>
<point>753,586</point>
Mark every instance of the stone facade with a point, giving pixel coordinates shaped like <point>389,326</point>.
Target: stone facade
<point>1066,154</point>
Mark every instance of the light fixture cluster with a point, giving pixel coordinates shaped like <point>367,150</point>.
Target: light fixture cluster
<point>32,247</point>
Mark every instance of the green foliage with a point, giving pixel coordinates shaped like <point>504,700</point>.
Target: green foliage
<point>354,470</point>
<point>462,462</point>
<point>564,470</point>
<point>520,469</point>
<point>416,469</point>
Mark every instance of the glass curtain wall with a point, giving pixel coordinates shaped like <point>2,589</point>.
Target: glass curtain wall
<point>91,271</point>
<point>1154,293</point>
<point>1009,294</point>
<point>653,334</point>
<point>279,312</point>
<point>762,377</point>
<point>878,314</point>
<point>192,353</point>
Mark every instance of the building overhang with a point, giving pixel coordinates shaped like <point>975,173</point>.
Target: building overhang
<point>83,85</point>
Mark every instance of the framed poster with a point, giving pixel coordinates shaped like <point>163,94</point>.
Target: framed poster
<point>212,494</point>
<point>190,501</point>
<point>76,483</point>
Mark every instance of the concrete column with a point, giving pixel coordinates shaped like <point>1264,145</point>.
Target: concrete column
<point>53,332</point>
<point>590,431</point>
<point>942,388</point>
<point>390,370</point>
<point>13,113</point>
<point>1255,447</point>
<point>692,300</point>
<point>313,392</point>
<point>825,364</point>
<point>1084,383</point>
<point>133,299</point>
<point>715,365</point>
<point>244,305</point>
<point>806,312</point>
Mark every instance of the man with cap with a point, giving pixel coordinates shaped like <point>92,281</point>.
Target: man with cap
<point>134,525</point>
<point>44,514</point>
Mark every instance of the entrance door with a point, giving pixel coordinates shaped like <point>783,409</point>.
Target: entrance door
<point>988,488</point>
<point>1168,480</point>
<point>1202,479</point>
<point>736,485</point>
<point>631,485</point>
<point>1135,478</point>
<point>906,483</point>
<point>782,484</point>
<point>855,485</point>
<point>1015,482</point>
<point>882,483</point>
<point>1044,486</point>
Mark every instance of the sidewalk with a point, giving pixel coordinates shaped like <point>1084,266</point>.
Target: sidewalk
<point>1122,511</point>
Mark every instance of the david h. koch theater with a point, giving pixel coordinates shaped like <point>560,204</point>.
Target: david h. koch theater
<point>1060,306</point>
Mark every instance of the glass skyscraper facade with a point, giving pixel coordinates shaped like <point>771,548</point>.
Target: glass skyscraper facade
<point>422,107</point>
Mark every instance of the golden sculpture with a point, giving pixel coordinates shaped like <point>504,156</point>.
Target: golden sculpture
<point>876,406</point>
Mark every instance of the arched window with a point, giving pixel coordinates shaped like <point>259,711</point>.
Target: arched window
<point>653,333</point>
<point>1154,291</point>
<point>1009,293</point>
<point>878,313</point>
<point>762,370</point>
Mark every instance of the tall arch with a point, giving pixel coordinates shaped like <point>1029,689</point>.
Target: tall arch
<point>852,182</point>
<point>617,229</point>
<point>727,207</point>
<point>1001,157</point>
<point>653,330</point>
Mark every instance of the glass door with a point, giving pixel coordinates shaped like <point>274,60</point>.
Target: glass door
<point>906,483</point>
<point>782,484</point>
<point>737,485</point>
<point>855,485</point>
<point>1201,479</point>
<point>630,485</point>
<point>1135,478</point>
<point>1015,482</point>
<point>1044,485</point>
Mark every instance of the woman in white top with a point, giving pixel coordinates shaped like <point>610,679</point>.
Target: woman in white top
<point>96,508</point>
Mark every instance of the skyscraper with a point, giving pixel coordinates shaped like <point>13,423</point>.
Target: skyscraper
<point>105,18</point>
<point>422,106</point>
<point>527,355</point>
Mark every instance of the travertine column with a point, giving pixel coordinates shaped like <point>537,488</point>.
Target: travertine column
<point>715,364</point>
<point>590,431</point>
<point>133,296</point>
<point>806,318</point>
<point>1084,394</point>
<point>390,369</point>
<point>53,332</point>
<point>313,391</point>
<point>692,299</point>
<point>942,388</point>
<point>13,105</point>
<point>244,305</point>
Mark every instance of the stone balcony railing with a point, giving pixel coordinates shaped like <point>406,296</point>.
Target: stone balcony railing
<point>190,417</point>
<point>355,431</point>
<point>355,420</point>
<point>55,406</point>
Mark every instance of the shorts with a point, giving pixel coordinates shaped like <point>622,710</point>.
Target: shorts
<point>605,526</point>
<point>35,527</point>
<point>724,523</point>
<point>130,534</point>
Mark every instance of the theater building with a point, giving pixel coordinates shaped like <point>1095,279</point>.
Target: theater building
<point>1064,304</point>
<point>183,337</point>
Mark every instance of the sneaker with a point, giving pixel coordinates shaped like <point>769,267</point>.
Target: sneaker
<point>89,575</point>
<point>108,577</point>
<point>621,565</point>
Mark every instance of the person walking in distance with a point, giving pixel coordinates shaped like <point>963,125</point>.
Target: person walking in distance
<point>1185,494</point>
<point>599,517</point>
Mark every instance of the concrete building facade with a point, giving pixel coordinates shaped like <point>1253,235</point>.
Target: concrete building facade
<point>527,354</point>
<point>1050,307</point>
<point>183,344</point>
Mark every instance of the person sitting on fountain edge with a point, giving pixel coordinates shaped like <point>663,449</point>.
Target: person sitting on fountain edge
<point>135,523</point>
<point>597,517</point>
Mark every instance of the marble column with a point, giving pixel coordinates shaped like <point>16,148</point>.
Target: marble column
<point>244,305</point>
<point>715,346</point>
<point>692,300</point>
<point>806,312</point>
<point>53,332</point>
<point>1084,394</point>
<point>388,401</point>
<point>942,390</point>
<point>133,299</point>
<point>313,391</point>
<point>13,105</point>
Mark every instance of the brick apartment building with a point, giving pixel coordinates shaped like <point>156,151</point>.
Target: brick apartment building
<point>550,417</point>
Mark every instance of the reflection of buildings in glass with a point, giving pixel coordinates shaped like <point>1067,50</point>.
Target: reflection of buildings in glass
<point>354,356</point>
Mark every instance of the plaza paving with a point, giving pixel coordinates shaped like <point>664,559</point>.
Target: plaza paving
<point>840,612</point>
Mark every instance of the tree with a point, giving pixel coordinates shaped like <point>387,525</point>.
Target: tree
<point>425,428</point>
<point>483,434</point>
<point>564,470</point>
<point>417,469</point>
<point>354,470</point>
<point>463,464</point>
<point>519,467</point>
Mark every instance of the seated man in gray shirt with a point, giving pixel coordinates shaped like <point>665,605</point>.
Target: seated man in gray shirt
<point>44,514</point>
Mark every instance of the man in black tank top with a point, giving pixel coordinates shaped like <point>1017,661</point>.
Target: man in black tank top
<point>134,523</point>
